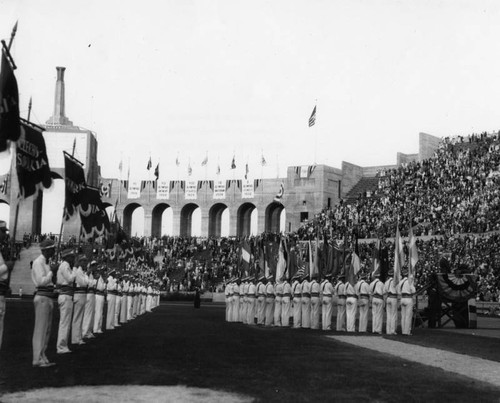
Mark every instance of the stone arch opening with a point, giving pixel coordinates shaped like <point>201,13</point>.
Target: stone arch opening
<point>186,227</point>
<point>157,218</point>
<point>273,217</point>
<point>244,219</point>
<point>215,219</point>
<point>128,211</point>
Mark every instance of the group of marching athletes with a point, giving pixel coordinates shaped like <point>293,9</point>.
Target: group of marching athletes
<point>307,303</point>
<point>81,290</point>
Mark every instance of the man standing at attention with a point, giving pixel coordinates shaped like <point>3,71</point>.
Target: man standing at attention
<point>42,277</point>
<point>391,304</point>
<point>297,301</point>
<point>377,294</point>
<point>362,290</point>
<point>65,277</point>
<point>341,297</point>
<point>326,303</point>
<point>79,300</point>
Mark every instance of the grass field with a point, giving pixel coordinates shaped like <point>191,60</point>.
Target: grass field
<point>180,345</point>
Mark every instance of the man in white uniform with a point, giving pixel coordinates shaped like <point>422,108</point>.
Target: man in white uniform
<point>306,303</point>
<point>99,303</point>
<point>79,300</point>
<point>362,290</point>
<point>88,314</point>
<point>251,302</point>
<point>286,303</point>
<point>110,298</point>
<point>341,300</point>
<point>270,299</point>
<point>65,278</point>
<point>42,277</point>
<point>391,300</point>
<point>326,303</point>
<point>297,302</point>
<point>406,291</point>
<point>377,294</point>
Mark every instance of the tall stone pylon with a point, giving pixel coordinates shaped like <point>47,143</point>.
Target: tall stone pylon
<point>59,117</point>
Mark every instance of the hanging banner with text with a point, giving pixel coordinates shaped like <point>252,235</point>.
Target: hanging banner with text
<point>247,189</point>
<point>163,190</point>
<point>191,190</point>
<point>219,190</point>
<point>134,189</point>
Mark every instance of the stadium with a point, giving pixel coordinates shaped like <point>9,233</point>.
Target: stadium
<point>316,282</point>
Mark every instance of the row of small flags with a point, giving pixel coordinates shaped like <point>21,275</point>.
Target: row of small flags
<point>31,160</point>
<point>190,169</point>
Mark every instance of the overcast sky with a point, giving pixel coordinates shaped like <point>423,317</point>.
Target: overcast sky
<point>167,78</point>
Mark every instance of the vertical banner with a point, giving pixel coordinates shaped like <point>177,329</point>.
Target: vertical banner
<point>163,190</point>
<point>32,163</point>
<point>247,190</point>
<point>219,190</point>
<point>93,215</point>
<point>134,189</point>
<point>10,129</point>
<point>191,190</point>
<point>74,180</point>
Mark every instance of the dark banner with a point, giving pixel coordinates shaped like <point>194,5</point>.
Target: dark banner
<point>95,221</point>
<point>9,105</point>
<point>32,163</point>
<point>74,179</point>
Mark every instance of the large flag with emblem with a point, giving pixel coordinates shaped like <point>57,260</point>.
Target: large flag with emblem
<point>74,180</point>
<point>10,129</point>
<point>32,163</point>
<point>95,221</point>
<point>245,257</point>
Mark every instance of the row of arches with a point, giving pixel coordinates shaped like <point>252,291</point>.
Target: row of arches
<point>219,221</point>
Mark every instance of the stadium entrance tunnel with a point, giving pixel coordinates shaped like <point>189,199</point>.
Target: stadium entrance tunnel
<point>273,217</point>
<point>157,219</point>
<point>187,219</point>
<point>127,217</point>
<point>244,221</point>
<point>125,393</point>
<point>215,219</point>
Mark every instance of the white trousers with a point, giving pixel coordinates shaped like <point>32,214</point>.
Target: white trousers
<point>123,309</point>
<point>251,311</point>
<point>297,313</point>
<point>261,310</point>
<point>277,311</point>
<point>326,313</point>
<point>377,315</point>
<point>88,315</point>
<point>285,311</point>
<point>99,308</point>
<point>364,307</point>
<point>306,312</point>
<point>44,307</point>
<point>236,309</point>
<point>65,311</point>
<point>110,315</point>
<point>406,315</point>
<point>118,305</point>
<point>392,314</point>
<point>341,315</point>
<point>315,312</point>
<point>350,309</point>
<point>130,305</point>
<point>269,311</point>
<point>79,301</point>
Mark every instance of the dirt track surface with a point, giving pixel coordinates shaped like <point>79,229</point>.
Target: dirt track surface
<point>472,367</point>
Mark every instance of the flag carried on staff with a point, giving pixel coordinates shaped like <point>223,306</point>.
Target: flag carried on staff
<point>312,119</point>
<point>245,257</point>
<point>95,221</point>
<point>205,161</point>
<point>398,253</point>
<point>413,256</point>
<point>281,266</point>
<point>32,163</point>
<point>150,164</point>
<point>376,259</point>
<point>74,180</point>
<point>355,265</point>
<point>233,163</point>
<point>263,161</point>
<point>10,128</point>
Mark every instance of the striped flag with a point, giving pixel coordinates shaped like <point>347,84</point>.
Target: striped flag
<point>312,119</point>
<point>413,258</point>
<point>398,252</point>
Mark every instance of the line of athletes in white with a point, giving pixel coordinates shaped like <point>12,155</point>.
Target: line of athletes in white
<point>309,304</point>
<point>81,290</point>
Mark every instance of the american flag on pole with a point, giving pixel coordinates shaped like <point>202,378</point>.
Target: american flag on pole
<point>312,119</point>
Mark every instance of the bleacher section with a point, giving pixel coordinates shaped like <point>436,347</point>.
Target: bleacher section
<point>367,184</point>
